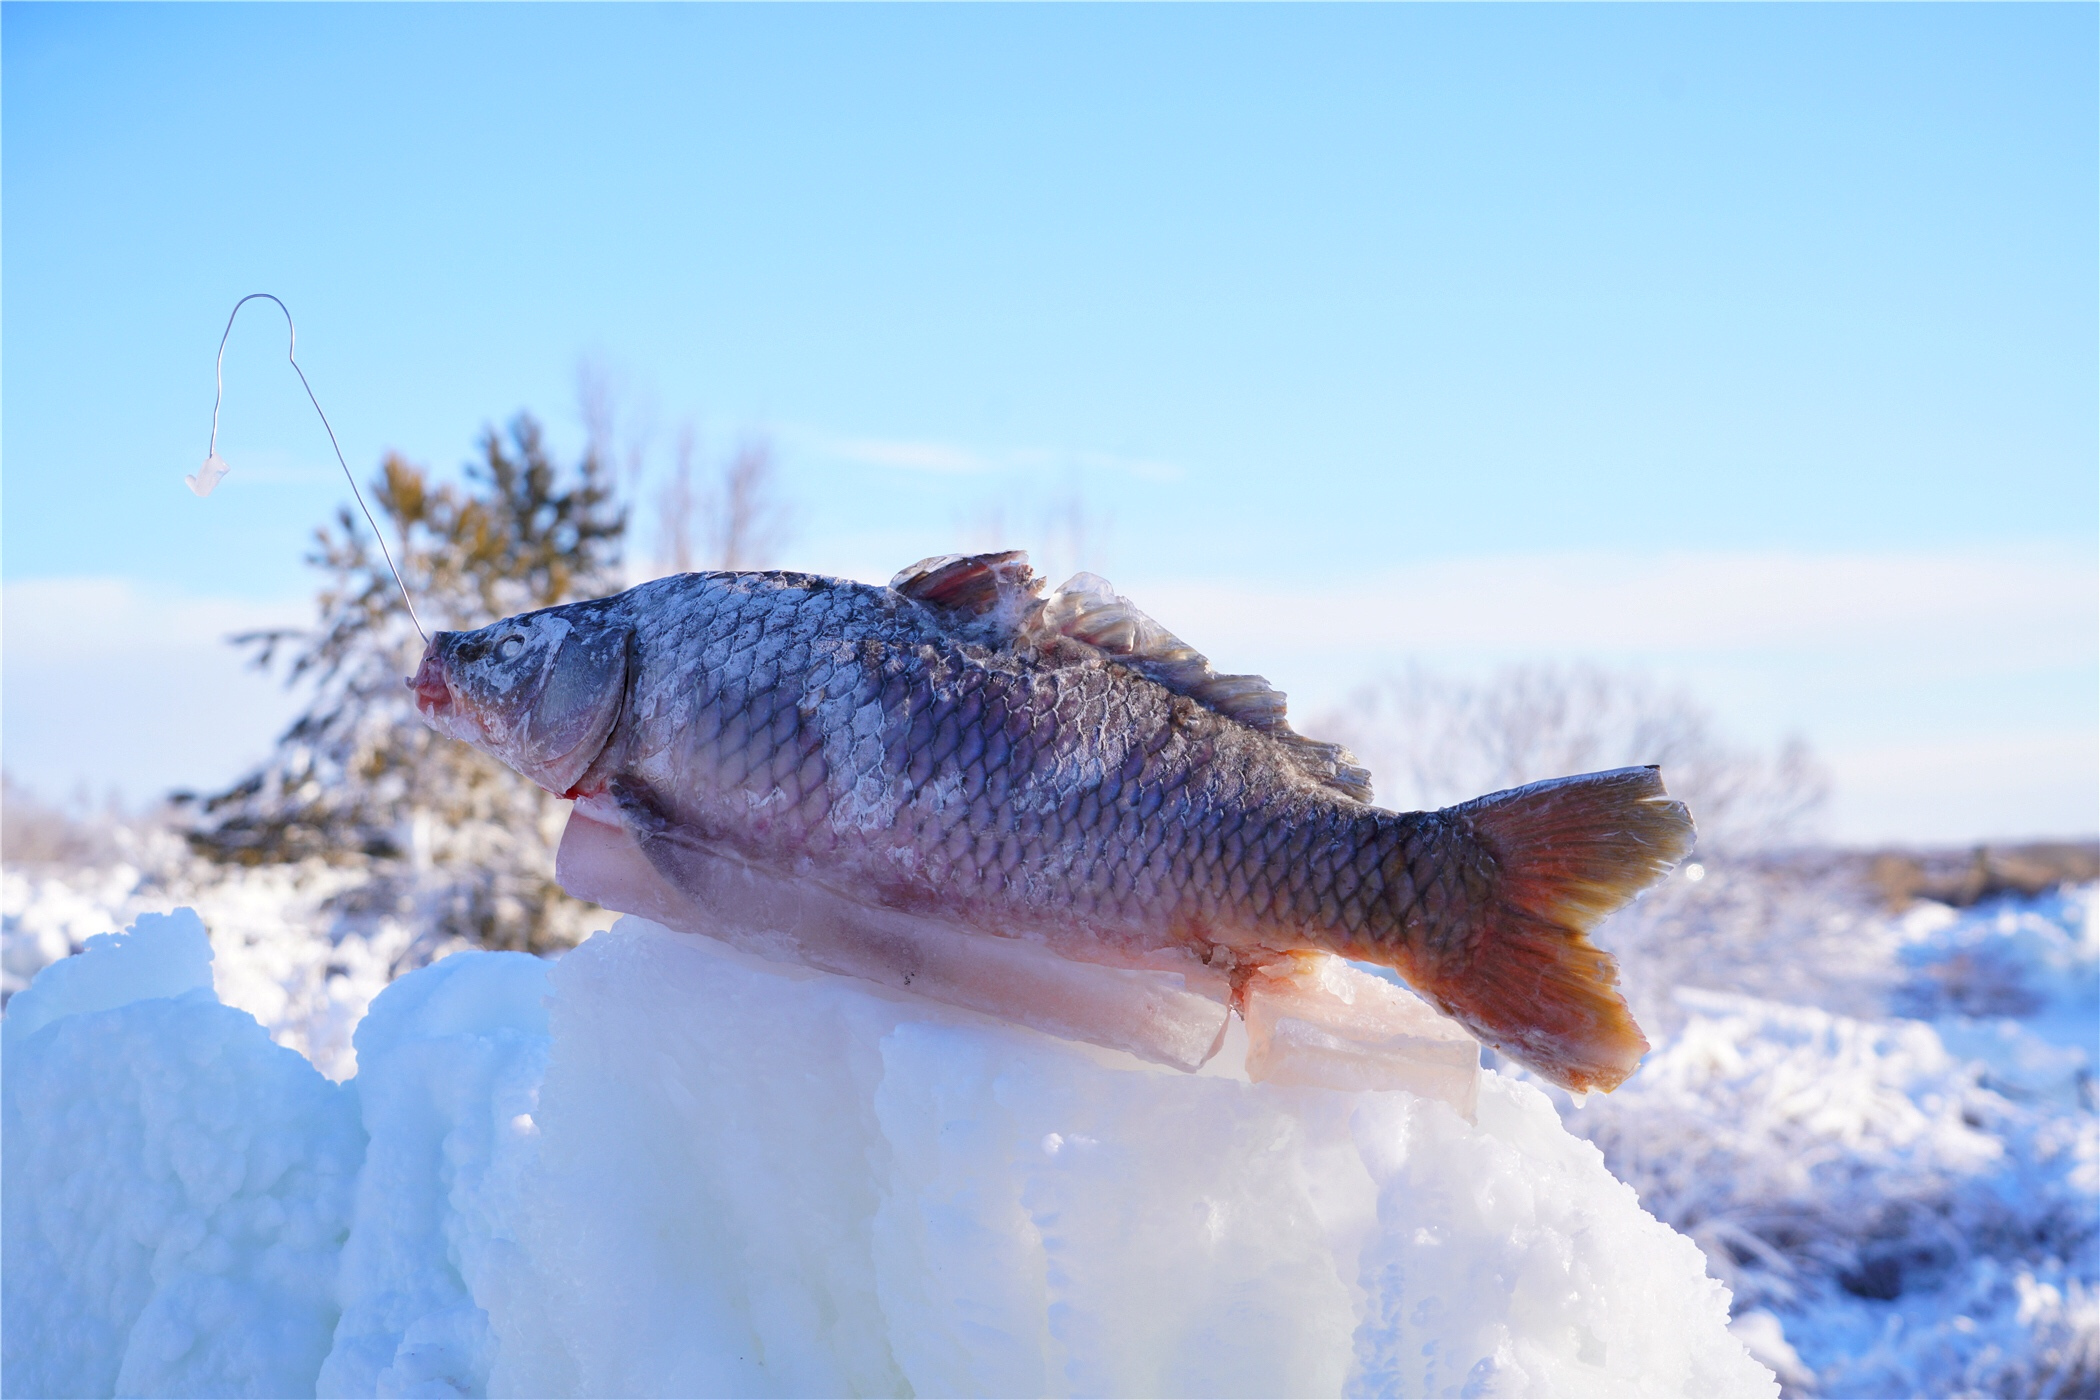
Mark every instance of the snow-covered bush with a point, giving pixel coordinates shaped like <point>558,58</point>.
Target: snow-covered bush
<point>1914,1203</point>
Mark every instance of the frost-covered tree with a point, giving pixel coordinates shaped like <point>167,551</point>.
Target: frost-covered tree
<point>454,841</point>
<point>1432,740</point>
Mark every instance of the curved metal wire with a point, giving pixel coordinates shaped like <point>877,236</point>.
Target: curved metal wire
<point>292,354</point>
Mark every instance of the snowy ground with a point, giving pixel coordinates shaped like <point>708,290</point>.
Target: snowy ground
<point>1896,1169</point>
<point>1879,1128</point>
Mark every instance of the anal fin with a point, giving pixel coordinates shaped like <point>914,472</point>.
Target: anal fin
<point>1314,1020</point>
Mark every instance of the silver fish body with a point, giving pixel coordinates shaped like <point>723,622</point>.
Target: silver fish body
<point>872,773</point>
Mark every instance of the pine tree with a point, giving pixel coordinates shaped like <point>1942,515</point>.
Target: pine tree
<point>452,840</point>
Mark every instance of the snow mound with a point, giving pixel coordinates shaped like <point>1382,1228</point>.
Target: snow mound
<point>178,1188</point>
<point>659,1167</point>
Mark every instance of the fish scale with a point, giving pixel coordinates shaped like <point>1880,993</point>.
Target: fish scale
<point>1063,771</point>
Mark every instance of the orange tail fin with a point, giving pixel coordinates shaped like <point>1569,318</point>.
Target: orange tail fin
<point>1513,960</point>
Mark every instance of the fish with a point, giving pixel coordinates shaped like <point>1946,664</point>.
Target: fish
<point>1046,806</point>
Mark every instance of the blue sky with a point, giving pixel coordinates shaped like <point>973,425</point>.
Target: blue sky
<point>1754,347</point>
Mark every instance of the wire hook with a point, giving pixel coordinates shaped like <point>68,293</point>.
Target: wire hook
<point>214,467</point>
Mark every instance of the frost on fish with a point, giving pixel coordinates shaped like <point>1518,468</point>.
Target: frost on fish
<point>1052,810</point>
<point>1089,610</point>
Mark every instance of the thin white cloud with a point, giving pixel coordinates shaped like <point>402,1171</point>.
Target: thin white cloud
<point>2038,602</point>
<point>952,459</point>
<point>1050,458</point>
<point>1943,686</point>
<point>115,685</point>
<point>277,468</point>
<point>1959,789</point>
<point>54,620</point>
<point>1879,657</point>
<point>940,458</point>
<point>263,474</point>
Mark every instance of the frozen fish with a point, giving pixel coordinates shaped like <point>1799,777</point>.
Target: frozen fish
<point>1049,808</point>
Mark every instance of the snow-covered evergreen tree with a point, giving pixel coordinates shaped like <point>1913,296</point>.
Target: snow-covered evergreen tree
<point>455,842</point>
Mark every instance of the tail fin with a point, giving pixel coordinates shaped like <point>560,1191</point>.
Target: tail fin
<point>1524,977</point>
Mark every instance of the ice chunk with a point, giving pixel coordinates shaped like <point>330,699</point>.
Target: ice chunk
<point>1173,1017</point>
<point>757,1180</point>
<point>1765,1335</point>
<point>1313,1020</point>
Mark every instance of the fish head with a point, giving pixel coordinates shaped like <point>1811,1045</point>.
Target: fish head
<point>540,691</point>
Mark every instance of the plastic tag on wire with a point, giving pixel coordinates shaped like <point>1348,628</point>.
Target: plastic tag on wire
<point>207,475</point>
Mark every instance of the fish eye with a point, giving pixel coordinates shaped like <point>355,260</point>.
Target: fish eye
<point>509,647</point>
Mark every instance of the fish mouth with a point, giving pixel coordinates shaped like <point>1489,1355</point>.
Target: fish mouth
<point>442,706</point>
<point>433,695</point>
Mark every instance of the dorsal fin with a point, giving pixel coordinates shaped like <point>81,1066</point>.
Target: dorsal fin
<point>996,594</point>
<point>1088,610</point>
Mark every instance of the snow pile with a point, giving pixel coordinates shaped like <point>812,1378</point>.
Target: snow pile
<point>178,1188</point>
<point>658,1167</point>
<point>452,1058</point>
<point>1880,1129</point>
<point>1901,1204</point>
